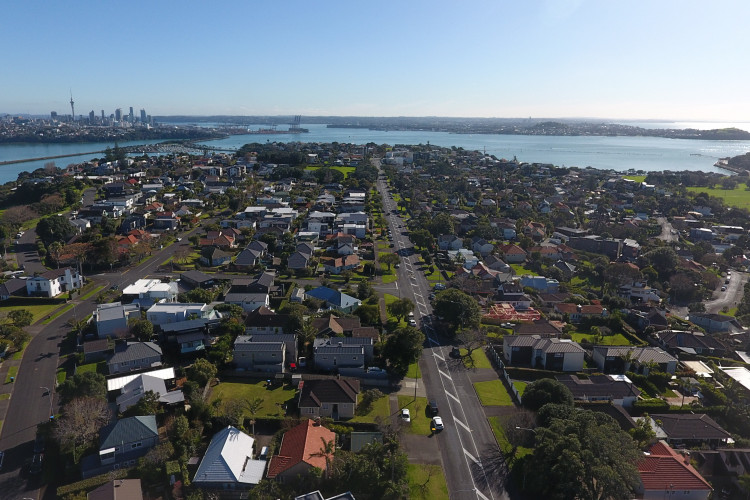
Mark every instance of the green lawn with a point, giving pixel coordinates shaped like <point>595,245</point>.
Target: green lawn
<point>636,178</point>
<point>253,388</point>
<point>388,300</point>
<point>479,358</point>
<point>414,371</point>
<point>520,386</point>
<point>497,429</point>
<point>737,197</point>
<point>520,270</point>
<point>420,422</point>
<point>493,393</point>
<point>57,313</point>
<point>380,408</point>
<point>61,375</point>
<point>616,339</point>
<point>39,311</point>
<point>19,354</point>
<point>100,367</point>
<point>427,482</point>
<point>92,292</point>
<point>344,170</point>
<point>12,372</point>
<point>4,396</point>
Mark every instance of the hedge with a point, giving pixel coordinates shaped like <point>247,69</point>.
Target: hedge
<point>653,405</point>
<point>92,482</point>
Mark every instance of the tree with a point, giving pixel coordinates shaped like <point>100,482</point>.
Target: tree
<point>403,347</point>
<point>458,308</point>
<point>365,290</point>
<point>147,405</point>
<point>390,259</point>
<point>472,339</point>
<point>643,433</point>
<point>586,456</point>
<point>55,251</point>
<point>84,385</point>
<point>202,371</point>
<point>422,238</point>
<point>142,329</point>
<point>401,308</point>
<point>21,317</point>
<point>327,449</point>
<point>253,406</point>
<point>81,420</point>
<point>663,259</point>
<point>55,228</point>
<point>543,391</point>
<point>369,314</point>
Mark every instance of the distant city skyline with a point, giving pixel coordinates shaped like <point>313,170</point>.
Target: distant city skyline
<point>640,60</point>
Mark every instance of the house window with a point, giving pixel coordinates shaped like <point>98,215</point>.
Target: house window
<point>136,445</point>
<point>325,406</point>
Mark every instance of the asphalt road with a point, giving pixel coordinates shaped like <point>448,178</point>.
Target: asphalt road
<point>731,296</point>
<point>468,449</point>
<point>29,402</point>
<point>668,233</point>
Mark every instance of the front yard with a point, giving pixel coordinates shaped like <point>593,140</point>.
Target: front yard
<point>273,397</point>
<point>427,482</point>
<point>493,393</point>
<point>420,422</point>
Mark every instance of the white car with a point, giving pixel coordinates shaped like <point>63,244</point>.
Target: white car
<point>412,322</point>
<point>405,415</point>
<point>437,424</point>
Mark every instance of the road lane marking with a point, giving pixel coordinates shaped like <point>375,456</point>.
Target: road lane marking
<point>471,456</point>
<point>438,356</point>
<point>462,425</point>
<point>441,372</point>
<point>452,397</point>
<point>479,494</point>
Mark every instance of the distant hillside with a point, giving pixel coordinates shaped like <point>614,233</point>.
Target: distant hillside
<point>740,162</point>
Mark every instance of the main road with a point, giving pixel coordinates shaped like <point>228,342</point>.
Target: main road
<point>30,403</point>
<point>471,457</point>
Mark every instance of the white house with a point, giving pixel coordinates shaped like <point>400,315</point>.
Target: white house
<point>164,313</point>
<point>54,282</point>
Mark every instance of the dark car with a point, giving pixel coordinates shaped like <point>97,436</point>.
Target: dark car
<point>36,463</point>
<point>433,407</point>
<point>39,444</point>
<point>455,352</point>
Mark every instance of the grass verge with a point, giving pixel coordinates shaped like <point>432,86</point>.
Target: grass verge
<point>426,482</point>
<point>380,408</point>
<point>496,423</point>
<point>12,372</point>
<point>414,371</point>
<point>478,359</point>
<point>420,422</point>
<point>493,393</point>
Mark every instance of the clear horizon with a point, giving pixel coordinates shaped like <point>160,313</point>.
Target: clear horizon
<point>566,59</point>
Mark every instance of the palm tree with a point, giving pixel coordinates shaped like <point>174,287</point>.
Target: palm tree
<point>253,407</point>
<point>326,450</point>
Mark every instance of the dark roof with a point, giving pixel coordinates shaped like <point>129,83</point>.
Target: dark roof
<point>315,392</point>
<point>690,426</point>
<point>246,343</point>
<point>264,317</point>
<point>127,430</point>
<point>366,331</point>
<point>95,346</point>
<point>12,286</point>
<point>196,276</point>
<point>56,273</point>
<point>541,327</point>
<point>133,351</point>
<point>675,339</point>
<point>598,386</point>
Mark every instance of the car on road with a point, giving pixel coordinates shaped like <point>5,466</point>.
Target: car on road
<point>397,266</point>
<point>726,281</point>
<point>455,352</point>
<point>412,322</point>
<point>405,415</point>
<point>433,407</point>
<point>724,288</point>
<point>36,463</point>
<point>437,424</point>
<point>39,444</point>
<point>439,286</point>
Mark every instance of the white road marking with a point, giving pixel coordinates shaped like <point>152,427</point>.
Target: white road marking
<point>470,456</point>
<point>479,494</point>
<point>452,397</point>
<point>441,372</point>
<point>462,425</point>
<point>438,356</point>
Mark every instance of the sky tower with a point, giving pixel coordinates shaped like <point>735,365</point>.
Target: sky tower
<point>72,106</point>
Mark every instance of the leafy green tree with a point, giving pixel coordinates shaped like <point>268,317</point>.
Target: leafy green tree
<point>55,228</point>
<point>403,347</point>
<point>422,238</point>
<point>401,308</point>
<point>369,314</point>
<point>458,308</point>
<point>586,456</point>
<point>202,371</point>
<point>390,259</point>
<point>142,329</point>
<point>544,391</point>
<point>82,385</point>
<point>21,317</point>
<point>643,433</point>
<point>147,405</point>
<point>253,406</point>
<point>365,290</point>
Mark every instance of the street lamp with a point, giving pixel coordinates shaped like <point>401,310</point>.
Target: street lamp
<point>49,393</point>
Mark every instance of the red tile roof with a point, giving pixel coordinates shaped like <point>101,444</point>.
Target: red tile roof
<point>664,468</point>
<point>301,444</point>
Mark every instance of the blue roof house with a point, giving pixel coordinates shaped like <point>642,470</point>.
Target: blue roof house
<point>334,299</point>
<point>228,462</point>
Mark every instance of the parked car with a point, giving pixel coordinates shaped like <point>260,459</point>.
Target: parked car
<point>2,457</point>
<point>439,286</point>
<point>405,415</point>
<point>437,424</point>
<point>412,322</point>
<point>724,288</point>
<point>39,444</point>
<point>36,463</point>
<point>433,407</point>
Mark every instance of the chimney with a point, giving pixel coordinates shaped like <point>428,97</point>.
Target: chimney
<point>341,344</point>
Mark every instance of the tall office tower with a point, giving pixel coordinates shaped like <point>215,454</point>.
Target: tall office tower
<point>72,107</point>
<point>143,116</point>
<point>91,117</point>
<point>102,116</point>
<point>118,114</point>
<point>131,119</point>
<point>53,115</point>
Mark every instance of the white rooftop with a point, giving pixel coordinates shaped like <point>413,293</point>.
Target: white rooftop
<point>700,368</point>
<point>140,287</point>
<point>115,384</point>
<point>739,374</point>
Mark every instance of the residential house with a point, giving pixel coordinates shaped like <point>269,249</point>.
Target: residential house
<point>340,264</point>
<point>228,463</point>
<point>197,279</point>
<point>248,301</point>
<point>364,341</point>
<point>335,398</point>
<point>664,473</point>
<point>265,321</point>
<point>482,247</point>
<point>540,327</point>
<point>267,356</point>
<point>300,451</point>
<point>117,489</point>
<point>251,255</point>
<point>134,356</point>
<point>715,322</point>
<point>137,387</point>
<point>693,430</point>
<point>54,282</point>
<point>449,242</point>
<point>149,291</point>
<point>618,389</point>
<point>298,261</point>
<point>160,314</point>
<point>577,312</point>
<point>332,357</point>
<point>112,319</point>
<point>639,291</point>
<point>675,341</point>
<point>621,359</point>
<point>513,254</point>
<point>14,287</point>
<point>213,256</point>
<point>540,283</point>
<point>333,299</point>
<point>547,353</point>
<point>121,444</point>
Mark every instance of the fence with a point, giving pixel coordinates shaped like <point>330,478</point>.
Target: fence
<point>497,358</point>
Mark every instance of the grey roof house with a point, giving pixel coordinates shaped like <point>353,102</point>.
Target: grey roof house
<point>259,356</point>
<point>335,398</point>
<point>133,391</point>
<point>133,356</point>
<point>121,443</point>
<point>228,463</point>
<point>112,319</point>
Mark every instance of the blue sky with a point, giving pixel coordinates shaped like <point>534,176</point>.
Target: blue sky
<point>663,59</point>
